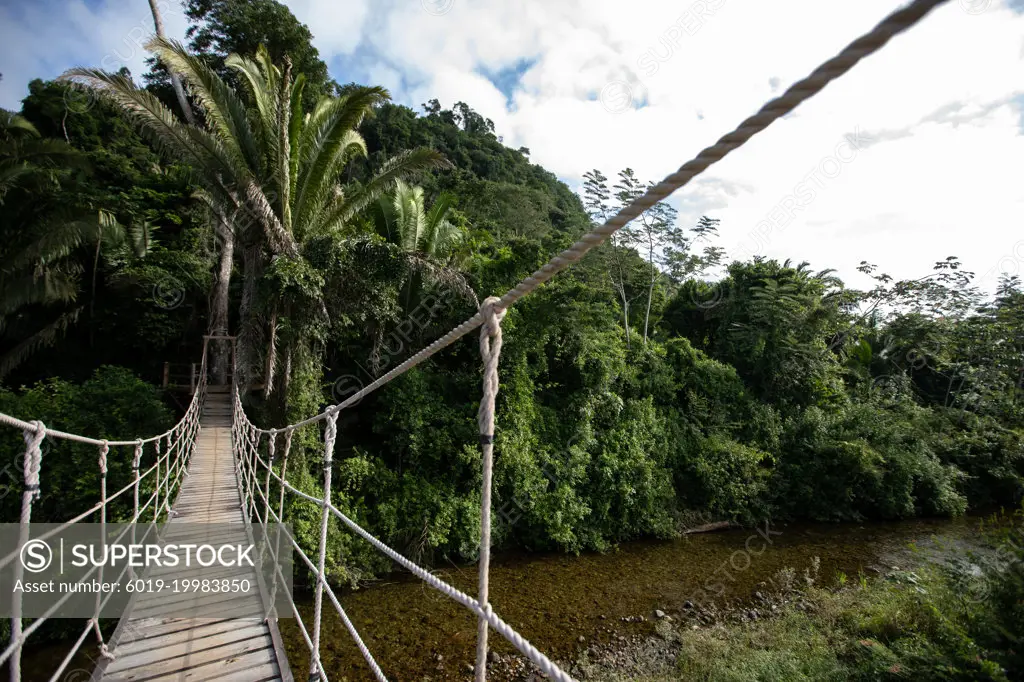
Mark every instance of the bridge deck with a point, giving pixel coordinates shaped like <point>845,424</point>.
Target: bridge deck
<point>158,640</point>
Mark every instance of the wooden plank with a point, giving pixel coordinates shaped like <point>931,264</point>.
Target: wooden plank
<point>256,650</point>
<point>181,645</point>
<point>144,629</point>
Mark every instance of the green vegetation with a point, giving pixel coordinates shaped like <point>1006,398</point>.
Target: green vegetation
<point>940,621</point>
<point>336,233</point>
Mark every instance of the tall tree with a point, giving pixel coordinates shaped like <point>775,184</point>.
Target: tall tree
<point>179,91</point>
<point>219,28</point>
<point>427,237</point>
<point>597,201</point>
<point>651,236</point>
<point>269,172</point>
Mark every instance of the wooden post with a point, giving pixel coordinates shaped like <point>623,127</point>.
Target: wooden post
<point>192,380</point>
<point>167,374</point>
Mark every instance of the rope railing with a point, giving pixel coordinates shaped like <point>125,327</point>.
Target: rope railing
<point>171,451</point>
<point>247,436</point>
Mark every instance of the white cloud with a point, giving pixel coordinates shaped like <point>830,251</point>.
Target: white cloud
<point>44,39</point>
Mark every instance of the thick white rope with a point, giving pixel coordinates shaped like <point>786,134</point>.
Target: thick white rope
<point>32,465</point>
<point>490,351</point>
<point>330,434</point>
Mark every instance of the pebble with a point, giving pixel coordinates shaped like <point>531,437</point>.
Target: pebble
<point>581,639</point>
<point>658,613</point>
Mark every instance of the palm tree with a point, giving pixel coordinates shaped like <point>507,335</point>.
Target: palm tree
<point>427,239</point>
<point>268,171</point>
<point>39,237</point>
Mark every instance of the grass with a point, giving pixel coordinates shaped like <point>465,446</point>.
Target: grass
<point>908,626</point>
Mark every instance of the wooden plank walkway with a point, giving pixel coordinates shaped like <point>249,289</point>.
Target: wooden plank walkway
<point>160,638</point>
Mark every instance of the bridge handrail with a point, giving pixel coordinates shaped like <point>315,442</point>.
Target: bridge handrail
<point>173,461</point>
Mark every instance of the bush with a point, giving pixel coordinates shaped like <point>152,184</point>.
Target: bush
<point>112,404</point>
<point>990,454</point>
<point>866,461</point>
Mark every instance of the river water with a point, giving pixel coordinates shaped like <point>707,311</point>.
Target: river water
<point>416,633</point>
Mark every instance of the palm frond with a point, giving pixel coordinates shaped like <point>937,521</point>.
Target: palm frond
<point>296,123</point>
<point>43,286</point>
<point>12,123</point>
<point>443,276</point>
<point>196,147</point>
<point>328,135</point>
<point>224,110</point>
<point>259,91</point>
<point>46,336</point>
<point>440,236</point>
<point>284,149</point>
<point>398,167</point>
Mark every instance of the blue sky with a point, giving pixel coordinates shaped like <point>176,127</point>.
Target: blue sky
<point>915,155</point>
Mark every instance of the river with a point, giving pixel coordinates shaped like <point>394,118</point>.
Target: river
<point>554,600</point>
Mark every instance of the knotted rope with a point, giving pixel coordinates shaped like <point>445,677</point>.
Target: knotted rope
<point>490,352</point>
<point>33,465</point>
<point>330,435</point>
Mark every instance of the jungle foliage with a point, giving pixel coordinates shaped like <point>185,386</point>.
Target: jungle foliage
<point>655,383</point>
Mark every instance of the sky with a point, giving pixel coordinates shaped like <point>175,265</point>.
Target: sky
<point>915,155</point>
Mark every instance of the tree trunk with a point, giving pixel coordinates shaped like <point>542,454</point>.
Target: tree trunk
<point>647,315</point>
<point>248,359</point>
<point>620,285</point>
<point>92,299</point>
<point>625,312</point>
<point>220,302</point>
<point>268,372</point>
<point>186,109</point>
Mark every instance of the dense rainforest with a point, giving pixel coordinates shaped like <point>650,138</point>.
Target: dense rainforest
<point>655,385</point>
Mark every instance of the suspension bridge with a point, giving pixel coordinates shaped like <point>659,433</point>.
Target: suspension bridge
<point>216,466</point>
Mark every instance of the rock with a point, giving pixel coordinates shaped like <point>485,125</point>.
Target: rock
<point>439,658</point>
<point>602,616</point>
<point>581,639</point>
<point>492,656</point>
<point>668,619</point>
<point>695,627</point>
<point>687,604</point>
<point>658,613</point>
<point>469,668</point>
